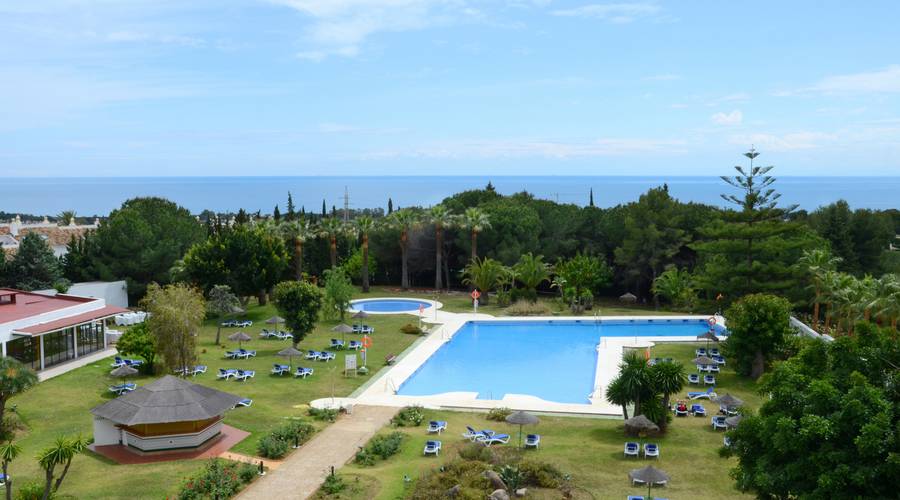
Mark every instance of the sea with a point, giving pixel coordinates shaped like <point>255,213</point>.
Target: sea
<point>98,196</point>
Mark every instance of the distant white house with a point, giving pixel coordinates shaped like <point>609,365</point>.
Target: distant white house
<point>114,293</point>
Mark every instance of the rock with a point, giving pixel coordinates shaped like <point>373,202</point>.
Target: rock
<point>521,492</point>
<point>454,491</point>
<point>495,480</point>
<point>499,495</point>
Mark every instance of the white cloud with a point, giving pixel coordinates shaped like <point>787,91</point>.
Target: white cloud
<point>728,119</point>
<point>794,141</point>
<point>886,80</point>
<point>617,13</point>
<point>340,27</point>
<point>560,150</point>
<point>735,97</point>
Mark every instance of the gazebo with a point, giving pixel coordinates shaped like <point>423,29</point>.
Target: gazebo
<point>168,414</point>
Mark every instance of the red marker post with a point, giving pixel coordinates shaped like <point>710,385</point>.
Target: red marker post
<point>475,295</point>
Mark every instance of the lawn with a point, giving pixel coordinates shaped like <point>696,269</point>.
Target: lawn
<point>587,448</point>
<point>61,405</point>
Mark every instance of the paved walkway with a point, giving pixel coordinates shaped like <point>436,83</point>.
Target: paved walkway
<point>301,474</point>
<point>55,371</point>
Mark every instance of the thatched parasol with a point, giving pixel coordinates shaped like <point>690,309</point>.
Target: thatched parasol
<point>734,421</point>
<point>628,297</point>
<point>342,329</point>
<point>728,401</point>
<point>521,418</point>
<point>274,320</point>
<point>290,352</point>
<point>703,360</point>
<point>124,372</point>
<point>650,475</point>
<point>640,425</point>
<point>239,337</point>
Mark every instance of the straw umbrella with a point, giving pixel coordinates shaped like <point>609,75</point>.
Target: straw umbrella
<point>343,329</point>
<point>649,475</point>
<point>275,320</point>
<point>123,372</point>
<point>707,336</point>
<point>703,360</point>
<point>360,315</point>
<point>628,297</point>
<point>640,425</point>
<point>521,418</point>
<point>728,401</point>
<point>733,422</point>
<point>239,337</point>
<point>290,352</point>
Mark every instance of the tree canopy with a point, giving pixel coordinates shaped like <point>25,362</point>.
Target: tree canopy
<point>176,313</point>
<point>299,303</point>
<point>33,267</point>
<point>758,327</point>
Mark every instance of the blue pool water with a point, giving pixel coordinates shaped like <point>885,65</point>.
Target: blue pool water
<point>388,305</point>
<point>552,360</point>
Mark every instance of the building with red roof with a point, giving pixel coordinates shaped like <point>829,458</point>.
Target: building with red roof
<point>42,331</point>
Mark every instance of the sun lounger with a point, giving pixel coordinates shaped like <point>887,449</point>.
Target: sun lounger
<point>636,482</point>
<point>681,409</point>
<point>432,448</point>
<point>707,394</point>
<point>354,344</point>
<point>473,435</point>
<point>390,359</point>
<point>230,323</point>
<point>720,361</point>
<point>278,369</point>
<point>326,356</point>
<point>709,380</point>
<point>635,497</point>
<point>226,373</point>
<point>728,410</point>
<point>198,370</point>
<point>651,450</point>
<point>337,344</point>
<point>118,362</point>
<point>231,354</point>
<point>244,402</point>
<point>134,363</point>
<point>365,329</point>
<point>245,354</point>
<point>244,323</point>
<point>488,440</point>
<point>713,368</point>
<point>285,335</point>
<point>713,352</point>
<point>700,351</point>
<point>243,375</point>
<point>3,479</point>
<point>698,410</point>
<point>313,355</point>
<point>122,388</point>
<point>532,440</point>
<point>303,372</point>
<point>718,422</point>
<point>632,449</point>
<point>726,441</point>
<point>693,378</point>
<point>437,426</point>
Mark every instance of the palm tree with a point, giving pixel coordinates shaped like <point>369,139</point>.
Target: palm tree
<point>634,377</point>
<point>61,452</point>
<point>484,274</point>
<point>65,218</point>
<point>405,220</point>
<point>846,300</point>
<point>475,220</point>
<point>297,232</point>
<point>8,453</point>
<point>888,304</point>
<point>15,378</point>
<point>817,263</point>
<point>531,271</point>
<point>617,394</point>
<point>667,378</point>
<point>331,228</point>
<point>442,218</point>
<point>365,225</point>
<point>831,284</point>
<point>676,285</point>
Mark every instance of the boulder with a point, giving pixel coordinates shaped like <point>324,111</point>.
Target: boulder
<point>499,494</point>
<point>495,480</point>
<point>521,492</point>
<point>454,491</point>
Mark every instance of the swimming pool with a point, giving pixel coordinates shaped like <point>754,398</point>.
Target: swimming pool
<point>389,305</point>
<point>551,360</point>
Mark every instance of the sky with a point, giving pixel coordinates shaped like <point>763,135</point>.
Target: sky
<point>444,87</point>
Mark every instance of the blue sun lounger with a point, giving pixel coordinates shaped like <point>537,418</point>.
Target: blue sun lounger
<point>198,370</point>
<point>651,450</point>
<point>632,449</point>
<point>694,378</point>
<point>707,394</point>
<point>432,448</point>
<point>246,402</point>
<point>337,344</point>
<point>303,372</point>
<point>709,380</point>
<point>473,435</point>
<point>532,440</point>
<point>698,410</point>
<point>278,369</point>
<point>226,373</point>
<point>354,344</point>
<point>122,388</point>
<point>243,375</point>
<point>326,356</point>
<point>718,422</point>
<point>437,426</point>
<point>313,355</point>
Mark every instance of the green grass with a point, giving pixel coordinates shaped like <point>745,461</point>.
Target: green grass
<point>587,448</point>
<point>62,405</point>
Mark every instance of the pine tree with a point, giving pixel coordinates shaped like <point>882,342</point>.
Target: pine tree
<point>34,266</point>
<point>324,213</point>
<point>490,187</point>
<point>290,208</point>
<point>276,214</point>
<point>591,199</point>
<point>390,206</point>
<point>754,248</point>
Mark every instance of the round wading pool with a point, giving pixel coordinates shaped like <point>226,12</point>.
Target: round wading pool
<point>388,305</point>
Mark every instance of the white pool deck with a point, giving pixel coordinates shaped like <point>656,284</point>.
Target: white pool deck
<point>382,390</point>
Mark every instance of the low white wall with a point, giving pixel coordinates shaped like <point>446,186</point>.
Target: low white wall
<point>804,329</point>
<point>105,432</point>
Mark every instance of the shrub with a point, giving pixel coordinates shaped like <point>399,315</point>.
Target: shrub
<point>383,446</point>
<point>526,308</point>
<point>479,452</point>
<point>499,414</point>
<point>411,329</point>
<point>276,444</point>
<point>511,476</point>
<point>540,474</point>
<point>31,491</point>
<point>333,484</point>
<point>468,474</point>
<point>410,416</point>
<point>323,414</point>
<point>219,479</point>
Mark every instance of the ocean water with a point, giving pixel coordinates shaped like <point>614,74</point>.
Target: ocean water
<point>554,361</point>
<point>89,196</point>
